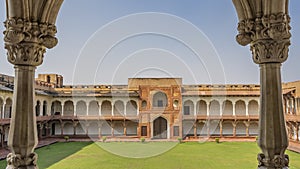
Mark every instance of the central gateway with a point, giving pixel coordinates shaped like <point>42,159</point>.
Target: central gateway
<point>160,128</point>
<point>160,103</point>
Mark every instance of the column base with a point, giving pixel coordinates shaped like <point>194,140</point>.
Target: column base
<point>15,161</point>
<point>276,163</point>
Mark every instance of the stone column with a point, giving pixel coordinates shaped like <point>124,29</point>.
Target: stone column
<point>29,31</point>
<point>100,104</point>
<point>233,109</point>
<point>3,110</point>
<point>265,26</point>
<point>247,108</point>
<point>75,109</point>
<point>62,109</point>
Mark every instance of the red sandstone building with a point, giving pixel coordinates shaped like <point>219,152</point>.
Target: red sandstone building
<point>154,108</point>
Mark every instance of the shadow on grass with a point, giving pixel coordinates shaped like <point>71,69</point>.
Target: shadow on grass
<point>54,153</point>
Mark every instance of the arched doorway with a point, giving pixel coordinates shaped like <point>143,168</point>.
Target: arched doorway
<point>160,128</point>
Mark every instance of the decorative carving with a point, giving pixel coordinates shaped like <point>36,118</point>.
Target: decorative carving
<point>25,53</point>
<point>264,51</point>
<point>268,36</point>
<point>16,160</point>
<point>277,162</point>
<point>19,30</point>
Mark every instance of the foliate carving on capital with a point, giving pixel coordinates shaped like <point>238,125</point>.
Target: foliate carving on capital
<point>277,162</point>
<point>269,37</point>
<point>19,30</point>
<point>267,51</point>
<point>25,54</point>
<point>16,160</point>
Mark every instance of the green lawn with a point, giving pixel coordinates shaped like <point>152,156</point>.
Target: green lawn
<point>208,155</point>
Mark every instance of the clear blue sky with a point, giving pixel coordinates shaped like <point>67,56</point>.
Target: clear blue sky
<point>192,39</point>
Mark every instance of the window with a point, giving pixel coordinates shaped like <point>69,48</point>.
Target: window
<point>48,79</point>
<point>144,131</point>
<point>144,104</point>
<point>186,110</point>
<point>160,103</point>
<point>176,130</point>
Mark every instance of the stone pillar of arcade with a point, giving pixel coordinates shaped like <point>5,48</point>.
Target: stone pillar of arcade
<point>265,25</point>
<point>30,29</point>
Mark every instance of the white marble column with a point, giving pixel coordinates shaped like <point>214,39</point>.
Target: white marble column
<point>62,109</point>
<point>87,108</point>
<point>75,109</point>
<point>247,108</point>
<point>112,109</point>
<point>29,31</point>
<point>233,109</point>
<point>100,104</point>
<point>3,110</point>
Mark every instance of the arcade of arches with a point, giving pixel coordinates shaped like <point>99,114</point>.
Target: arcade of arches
<point>152,108</point>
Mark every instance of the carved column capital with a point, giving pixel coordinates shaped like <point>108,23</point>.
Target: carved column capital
<point>30,54</point>
<point>17,161</point>
<point>268,36</point>
<point>20,30</point>
<point>26,41</point>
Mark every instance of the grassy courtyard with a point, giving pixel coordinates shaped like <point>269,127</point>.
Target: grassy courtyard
<point>207,155</point>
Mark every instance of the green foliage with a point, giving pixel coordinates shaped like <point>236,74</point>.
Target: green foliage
<point>66,138</point>
<point>179,139</point>
<point>143,140</point>
<point>217,140</point>
<point>104,138</point>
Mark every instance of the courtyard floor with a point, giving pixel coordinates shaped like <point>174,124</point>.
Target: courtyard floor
<point>166,155</point>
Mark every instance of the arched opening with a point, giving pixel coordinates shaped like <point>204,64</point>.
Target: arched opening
<point>106,129</point>
<point>48,79</point>
<point>253,107</point>
<point>240,129</point>
<point>131,128</point>
<point>68,129</point>
<point>93,129</point>
<point>44,108</point>
<point>56,108</point>
<point>160,100</point>
<point>119,108</point>
<point>214,128</point>
<point>118,128</point>
<point>81,108</point>
<point>253,129</point>
<point>131,108</point>
<point>80,129</point>
<point>201,129</point>
<point>106,108</point>
<point>1,108</point>
<point>93,108</point>
<point>201,108</point>
<point>227,128</point>
<point>214,108</point>
<point>160,129</point>
<point>227,108</point>
<point>240,108</point>
<point>144,104</point>
<point>8,108</point>
<point>188,128</point>
<point>68,108</point>
<point>37,108</point>
<point>55,129</point>
<point>188,108</point>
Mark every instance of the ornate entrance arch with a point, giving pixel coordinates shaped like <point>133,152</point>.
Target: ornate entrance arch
<point>160,128</point>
